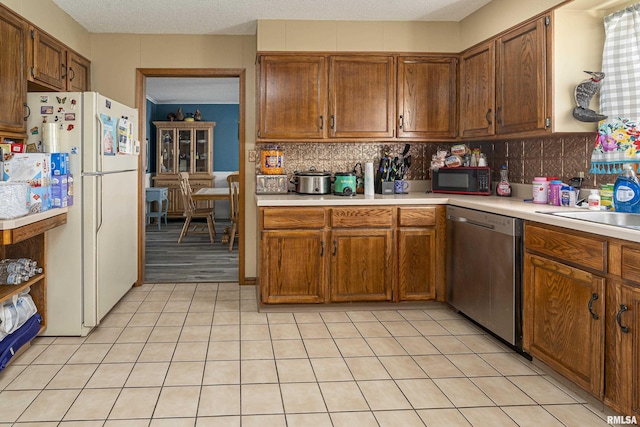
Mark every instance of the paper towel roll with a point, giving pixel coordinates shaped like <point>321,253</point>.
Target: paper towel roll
<point>50,138</point>
<point>368,179</point>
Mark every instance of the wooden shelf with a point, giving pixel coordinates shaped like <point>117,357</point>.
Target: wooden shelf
<point>7,291</point>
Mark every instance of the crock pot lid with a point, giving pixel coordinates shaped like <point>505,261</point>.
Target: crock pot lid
<point>345,174</point>
<point>312,173</point>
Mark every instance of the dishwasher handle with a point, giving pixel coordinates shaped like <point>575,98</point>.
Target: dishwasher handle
<point>469,221</point>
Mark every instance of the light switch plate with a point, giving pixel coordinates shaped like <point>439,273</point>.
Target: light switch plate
<point>252,155</point>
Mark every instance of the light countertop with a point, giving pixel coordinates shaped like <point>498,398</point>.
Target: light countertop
<point>10,224</point>
<point>509,206</point>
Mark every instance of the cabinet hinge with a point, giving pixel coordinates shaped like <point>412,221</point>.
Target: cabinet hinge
<point>547,20</point>
<point>547,122</point>
<point>33,72</point>
<point>259,136</point>
<point>259,59</point>
<point>33,35</point>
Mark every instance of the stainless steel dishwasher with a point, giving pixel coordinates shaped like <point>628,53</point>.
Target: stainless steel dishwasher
<point>484,270</point>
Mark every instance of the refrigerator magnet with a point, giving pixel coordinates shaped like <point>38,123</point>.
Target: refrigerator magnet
<point>46,109</point>
<point>34,130</point>
<point>69,117</point>
<point>44,98</point>
<point>61,100</point>
<point>108,134</point>
<point>70,127</point>
<point>73,103</point>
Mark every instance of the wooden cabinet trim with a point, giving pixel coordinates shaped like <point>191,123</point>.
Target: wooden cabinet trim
<point>417,216</point>
<point>287,218</point>
<point>581,249</point>
<point>358,217</point>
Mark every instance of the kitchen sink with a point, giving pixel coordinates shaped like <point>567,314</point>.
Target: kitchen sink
<point>619,219</point>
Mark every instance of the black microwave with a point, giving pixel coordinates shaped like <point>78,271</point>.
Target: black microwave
<point>462,180</point>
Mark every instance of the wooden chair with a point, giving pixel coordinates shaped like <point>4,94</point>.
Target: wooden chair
<point>234,205</point>
<point>191,212</point>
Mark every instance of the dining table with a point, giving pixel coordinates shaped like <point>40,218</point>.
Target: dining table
<point>211,193</point>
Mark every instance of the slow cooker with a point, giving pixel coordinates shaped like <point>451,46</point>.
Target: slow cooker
<point>344,184</point>
<point>312,182</point>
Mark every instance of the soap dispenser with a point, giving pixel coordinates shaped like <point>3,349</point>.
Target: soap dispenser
<point>626,191</point>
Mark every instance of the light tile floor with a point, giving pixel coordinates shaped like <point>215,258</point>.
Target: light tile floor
<point>202,355</point>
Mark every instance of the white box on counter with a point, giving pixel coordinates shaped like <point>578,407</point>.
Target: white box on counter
<point>34,169</point>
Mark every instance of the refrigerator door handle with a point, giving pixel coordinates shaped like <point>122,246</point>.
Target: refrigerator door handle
<point>99,156</point>
<point>99,200</point>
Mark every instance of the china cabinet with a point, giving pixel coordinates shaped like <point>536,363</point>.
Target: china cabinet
<point>183,147</point>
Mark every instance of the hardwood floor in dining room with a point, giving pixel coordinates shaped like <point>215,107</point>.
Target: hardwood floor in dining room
<point>194,260</point>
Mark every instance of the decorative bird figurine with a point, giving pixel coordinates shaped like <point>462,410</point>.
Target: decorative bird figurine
<point>584,92</point>
<point>179,114</point>
<point>197,116</point>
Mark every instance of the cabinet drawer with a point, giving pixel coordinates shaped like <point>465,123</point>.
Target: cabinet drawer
<point>419,216</point>
<point>287,218</point>
<point>578,249</point>
<point>362,217</point>
<point>631,263</point>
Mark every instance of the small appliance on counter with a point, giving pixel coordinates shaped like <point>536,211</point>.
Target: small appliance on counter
<point>461,180</point>
<point>344,184</point>
<point>312,182</point>
<point>271,184</point>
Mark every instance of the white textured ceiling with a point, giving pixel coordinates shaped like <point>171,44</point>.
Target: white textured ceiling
<point>168,90</point>
<point>239,16</point>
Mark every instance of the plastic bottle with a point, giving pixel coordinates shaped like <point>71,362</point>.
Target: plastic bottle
<point>626,191</point>
<point>540,190</point>
<point>10,278</point>
<point>594,200</point>
<point>554,192</point>
<point>567,195</point>
<point>504,188</point>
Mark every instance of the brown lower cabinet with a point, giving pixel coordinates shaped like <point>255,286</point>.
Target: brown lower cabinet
<point>582,299</point>
<point>348,254</point>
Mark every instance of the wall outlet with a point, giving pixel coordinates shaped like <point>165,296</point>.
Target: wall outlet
<point>252,155</point>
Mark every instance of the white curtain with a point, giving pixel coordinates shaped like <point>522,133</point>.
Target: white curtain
<point>620,92</point>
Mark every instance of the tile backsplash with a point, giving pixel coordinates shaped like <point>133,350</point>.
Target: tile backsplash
<point>563,155</point>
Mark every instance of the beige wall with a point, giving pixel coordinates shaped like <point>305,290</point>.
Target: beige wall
<point>46,15</point>
<point>117,56</point>
<point>367,36</point>
<point>497,16</point>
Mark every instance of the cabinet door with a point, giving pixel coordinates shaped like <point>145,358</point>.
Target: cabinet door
<point>622,354</point>
<point>78,73</point>
<point>416,264</point>
<point>13,85</point>
<point>185,150</point>
<point>165,150</point>
<point>361,265</point>
<point>201,150</point>
<point>564,320</point>
<point>293,266</point>
<point>292,97</point>
<point>48,60</point>
<point>477,91</point>
<point>361,96</point>
<point>521,83</point>
<point>427,97</point>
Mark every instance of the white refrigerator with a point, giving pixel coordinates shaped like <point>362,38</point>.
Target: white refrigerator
<point>92,260</point>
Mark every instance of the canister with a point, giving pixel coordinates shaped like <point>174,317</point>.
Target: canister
<point>272,162</point>
<point>540,190</point>
<point>554,192</point>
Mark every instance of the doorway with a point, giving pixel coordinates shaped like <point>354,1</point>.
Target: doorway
<point>141,93</point>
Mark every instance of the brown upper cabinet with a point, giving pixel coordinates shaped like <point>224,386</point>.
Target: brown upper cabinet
<point>13,85</point>
<point>326,96</point>
<point>427,97</point>
<point>353,97</point>
<point>361,96</point>
<point>504,87</point>
<point>292,96</point>
<point>54,66</point>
